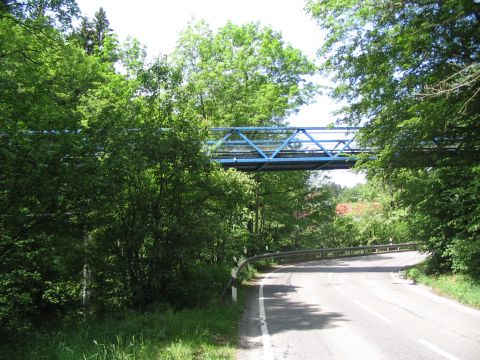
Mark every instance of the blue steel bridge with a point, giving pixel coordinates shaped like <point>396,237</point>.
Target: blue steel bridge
<point>297,148</point>
<point>284,148</point>
<point>274,148</point>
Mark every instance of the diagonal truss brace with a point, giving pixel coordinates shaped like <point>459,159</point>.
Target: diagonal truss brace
<point>284,148</point>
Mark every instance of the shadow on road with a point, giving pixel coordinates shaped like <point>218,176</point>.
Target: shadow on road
<point>300,315</point>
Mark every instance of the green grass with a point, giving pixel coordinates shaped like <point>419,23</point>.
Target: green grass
<point>456,286</point>
<point>209,332</point>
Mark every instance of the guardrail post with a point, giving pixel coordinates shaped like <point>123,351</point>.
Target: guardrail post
<point>234,285</point>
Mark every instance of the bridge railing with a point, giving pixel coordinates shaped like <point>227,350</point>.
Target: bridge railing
<point>324,253</point>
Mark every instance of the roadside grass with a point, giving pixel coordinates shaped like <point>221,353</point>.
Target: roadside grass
<point>209,332</point>
<point>457,286</point>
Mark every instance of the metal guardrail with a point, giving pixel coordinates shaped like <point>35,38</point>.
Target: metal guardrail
<point>326,253</point>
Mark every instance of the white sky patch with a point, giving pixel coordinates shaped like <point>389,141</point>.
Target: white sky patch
<point>158,23</point>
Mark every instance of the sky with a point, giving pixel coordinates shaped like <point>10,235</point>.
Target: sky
<point>157,24</point>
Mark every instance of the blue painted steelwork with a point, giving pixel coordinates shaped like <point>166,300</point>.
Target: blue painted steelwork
<point>284,148</point>
<point>274,148</point>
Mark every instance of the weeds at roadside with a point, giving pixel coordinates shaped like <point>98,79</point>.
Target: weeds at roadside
<point>457,286</point>
<point>209,332</point>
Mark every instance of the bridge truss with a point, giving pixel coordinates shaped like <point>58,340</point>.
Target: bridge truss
<point>284,148</point>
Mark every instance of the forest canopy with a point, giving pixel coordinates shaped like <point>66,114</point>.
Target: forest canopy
<point>107,200</point>
<point>410,74</point>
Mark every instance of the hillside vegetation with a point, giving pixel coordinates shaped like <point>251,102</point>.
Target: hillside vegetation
<point>114,223</point>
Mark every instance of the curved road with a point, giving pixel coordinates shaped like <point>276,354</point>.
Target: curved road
<point>355,308</point>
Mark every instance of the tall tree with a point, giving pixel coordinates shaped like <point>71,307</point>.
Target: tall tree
<point>94,34</point>
<point>410,73</point>
<point>96,197</point>
<point>48,171</point>
<point>58,13</point>
<point>87,35</point>
<point>247,76</point>
<point>242,75</point>
<point>101,27</point>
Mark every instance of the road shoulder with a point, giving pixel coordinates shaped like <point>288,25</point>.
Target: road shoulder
<point>250,342</point>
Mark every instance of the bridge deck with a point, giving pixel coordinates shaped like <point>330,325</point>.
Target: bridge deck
<point>284,148</point>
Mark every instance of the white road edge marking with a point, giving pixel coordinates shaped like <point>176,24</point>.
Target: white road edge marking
<point>436,349</point>
<point>374,313</point>
<point>267,342</point>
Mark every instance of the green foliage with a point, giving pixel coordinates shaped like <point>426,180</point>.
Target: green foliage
<point>161,212</point>
<point>247,76</point>
<point>387,57</point>
<point>242,75</point>
<point>377,220</point>
<point>39,13</point>
<point>95,36</point>
<point>345,232</point>
<point>460,287</point>
<point>207,332</point>
<point>44,178</point>
<point>101,207</point>
<point>409,71</point>
<point>107,201</point>
<point>287,210</point>
<point>132,55</point>
<point>445,214</point>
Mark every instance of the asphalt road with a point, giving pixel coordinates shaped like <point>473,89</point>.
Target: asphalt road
<point>355,308</point>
